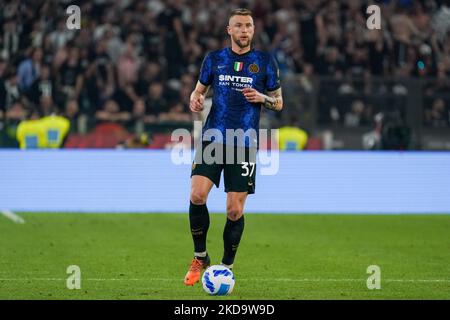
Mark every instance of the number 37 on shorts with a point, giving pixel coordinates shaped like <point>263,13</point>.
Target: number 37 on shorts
<point>248,168</point>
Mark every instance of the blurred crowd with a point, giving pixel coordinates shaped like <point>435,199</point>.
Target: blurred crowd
<point>139,59</point>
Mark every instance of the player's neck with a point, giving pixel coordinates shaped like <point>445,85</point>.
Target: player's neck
<point>238,50</point>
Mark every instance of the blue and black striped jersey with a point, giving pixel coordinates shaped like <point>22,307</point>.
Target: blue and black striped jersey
<point>228,73</point>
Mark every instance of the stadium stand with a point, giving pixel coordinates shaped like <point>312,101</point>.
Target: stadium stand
<point>135,62</point>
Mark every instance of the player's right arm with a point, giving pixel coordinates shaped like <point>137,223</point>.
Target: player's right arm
<point>198,97</point>
<point>203,84</point>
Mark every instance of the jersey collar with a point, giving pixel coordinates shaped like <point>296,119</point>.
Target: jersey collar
<point>237,54</point>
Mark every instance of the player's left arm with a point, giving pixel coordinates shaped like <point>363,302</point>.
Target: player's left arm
<point>273,100</point>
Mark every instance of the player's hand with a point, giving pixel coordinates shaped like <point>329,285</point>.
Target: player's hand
<point>196,102</point>
<point>253,96</point>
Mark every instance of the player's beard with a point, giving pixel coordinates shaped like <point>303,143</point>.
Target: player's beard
<point>241,44</point>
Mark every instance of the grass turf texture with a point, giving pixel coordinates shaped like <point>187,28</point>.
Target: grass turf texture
<point>145,256</point>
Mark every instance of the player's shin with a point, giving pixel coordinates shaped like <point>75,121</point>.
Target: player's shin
<point>199,223</point>
<point>231,237</point>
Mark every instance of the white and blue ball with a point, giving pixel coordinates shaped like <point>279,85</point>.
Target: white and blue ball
<point>218,280</point>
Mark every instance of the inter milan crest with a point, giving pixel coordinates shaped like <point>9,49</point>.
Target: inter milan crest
<point>238,66</point>
<point>253,68</point>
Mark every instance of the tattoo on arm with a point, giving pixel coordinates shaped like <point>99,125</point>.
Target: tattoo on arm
<point>274,100</point>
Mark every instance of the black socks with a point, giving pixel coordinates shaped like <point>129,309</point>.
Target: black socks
<point>199,221</point>
<point>232,233</point>
<point>231,237</point>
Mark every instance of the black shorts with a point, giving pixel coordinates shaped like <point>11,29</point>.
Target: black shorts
<point>239,171</point>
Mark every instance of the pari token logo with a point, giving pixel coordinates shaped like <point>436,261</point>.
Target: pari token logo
<point>253,68</point>
<point>238,66</point>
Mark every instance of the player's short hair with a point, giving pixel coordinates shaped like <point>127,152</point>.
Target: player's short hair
<point>240,12</point>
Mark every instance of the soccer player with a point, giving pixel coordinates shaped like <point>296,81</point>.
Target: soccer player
<point>243,79</point>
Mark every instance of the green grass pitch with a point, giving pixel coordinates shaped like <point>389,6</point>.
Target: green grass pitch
<point>145,256</point>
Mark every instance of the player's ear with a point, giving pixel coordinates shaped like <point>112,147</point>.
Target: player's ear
<point>229,30</point>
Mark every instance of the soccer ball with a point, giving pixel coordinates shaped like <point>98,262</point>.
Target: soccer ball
<point>218,280</point>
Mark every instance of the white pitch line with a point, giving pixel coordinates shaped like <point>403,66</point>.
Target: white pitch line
<point>256,280</point>
<point>12,216</point>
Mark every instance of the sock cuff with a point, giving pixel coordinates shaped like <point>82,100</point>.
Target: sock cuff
<point>200,254</point>
<point>197,205</point>
<point>240,220</point>
<point>229,266</point>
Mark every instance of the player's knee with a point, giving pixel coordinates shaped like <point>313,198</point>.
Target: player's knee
<point>198,197</point>
<point>234,212</point>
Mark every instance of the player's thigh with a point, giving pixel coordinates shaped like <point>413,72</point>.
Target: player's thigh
<point>235,204</point>
<point>200,188</point>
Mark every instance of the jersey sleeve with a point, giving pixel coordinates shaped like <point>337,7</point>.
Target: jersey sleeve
<point>206,71</point>
<point>272,75</point>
